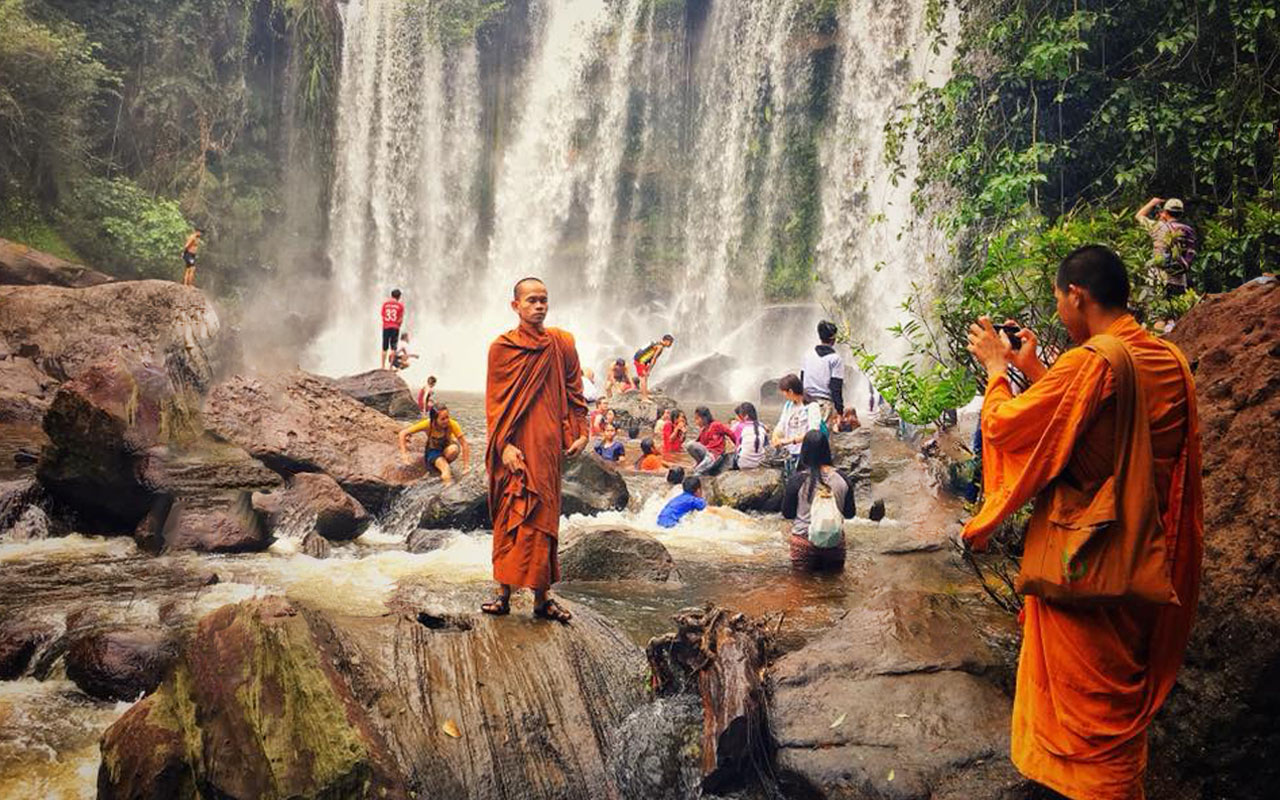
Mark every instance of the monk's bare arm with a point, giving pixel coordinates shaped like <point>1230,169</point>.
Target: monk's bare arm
<point>578,408</point>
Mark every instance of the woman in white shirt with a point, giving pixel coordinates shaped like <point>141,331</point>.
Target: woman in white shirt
<point>797,419</point>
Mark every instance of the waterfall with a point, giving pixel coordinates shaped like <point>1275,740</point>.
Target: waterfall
<point>639,155</point>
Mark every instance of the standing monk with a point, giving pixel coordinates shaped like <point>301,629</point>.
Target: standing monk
<point>536,414</point>
<point>1107,442</point>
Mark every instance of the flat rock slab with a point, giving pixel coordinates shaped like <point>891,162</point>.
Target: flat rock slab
<point>890,704</point>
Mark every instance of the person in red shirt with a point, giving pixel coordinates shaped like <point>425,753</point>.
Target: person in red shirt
<point>709,450</point>
<point>674,432</point>
<point>392,319</point>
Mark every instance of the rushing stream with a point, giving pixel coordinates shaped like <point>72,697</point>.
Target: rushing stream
<point>49,729</point>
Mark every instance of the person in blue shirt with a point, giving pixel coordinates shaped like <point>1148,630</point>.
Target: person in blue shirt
<point>681,504</point>
<point>608,448</point>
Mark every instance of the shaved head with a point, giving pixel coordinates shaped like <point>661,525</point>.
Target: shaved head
<point>515,292</point>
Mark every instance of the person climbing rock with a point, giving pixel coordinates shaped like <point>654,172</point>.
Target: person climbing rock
<point>646,358</point>
<point>1107,443</point>
<point>189,256</point>
<point>392,318</point>
<point>536,414</point>
<point>445,442</point>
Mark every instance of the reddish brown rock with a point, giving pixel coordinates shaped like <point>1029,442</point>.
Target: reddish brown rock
<point>20,640</point>
<point>25,266</point>
<point>314,502</point>
<point>119,664</point>
<point>295,422</point>
<point>1217,730</point>
<point>381,390</point>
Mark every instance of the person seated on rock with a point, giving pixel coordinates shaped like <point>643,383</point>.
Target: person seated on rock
<point>402,356</point>
<point>673,434</point>
<point>589,391</point>
<point>646,358</point>
<point>445,442</point>
<point>427,396</point>
<point>619,380</point>
<point>709,451</point>
<point>751,436</point>
<point>818,499</point>
<point>849,420</point>
<point>688,500</point>
<point>608,447</point>
<point>650,460</point>
<point>798,417</point>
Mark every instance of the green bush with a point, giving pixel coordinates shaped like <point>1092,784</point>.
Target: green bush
<point>125,231</point>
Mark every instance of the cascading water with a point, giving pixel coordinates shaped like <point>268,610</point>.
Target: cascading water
<point>638,155</point>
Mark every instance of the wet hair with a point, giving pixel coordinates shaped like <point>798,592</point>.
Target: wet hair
<point>633,432</point>
<point>515,290</point>
<point>675,475</point>
<point>404,337</point>
<point>676,415</point>
<point>827,331</point>
<point>395,293</point>
<point>666,337</point>
<point>815,453</point>
<point>436,409</point>
<point>703,413</point>
<point>609,426</point>
<point>1100,271</point>
<point>646,449</point>
<point>791,383</point>
<point>748,410</point>
<point>691,484</point>
<point>432,380</point>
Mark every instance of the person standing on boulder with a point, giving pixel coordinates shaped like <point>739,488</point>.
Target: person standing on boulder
<point>392,318</point>
<point>822,375</point>
<point>536,414</point>
<point>646,358</point>
<point>1107,443</point>
<point>189,256</point>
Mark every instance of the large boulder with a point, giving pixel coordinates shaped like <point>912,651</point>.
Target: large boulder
<point>851,452</point>
<point>591,485</point>
<point>462,505</point>
<point>67,330</point>
<point>314,503</point>
<point>434,700</point>
<point>20,640</point>
<point>748,489</point>
<point>119,664</point>
<point>296,422</point>
<point>703,378</point>
<point>893,703</point>
<point>614,554</point>
<point>630,410</point>
<point>102,425</point>
<point>23,266</point>
<point>380,389</point>
<point>25,391</point>
<point>1229,680</point>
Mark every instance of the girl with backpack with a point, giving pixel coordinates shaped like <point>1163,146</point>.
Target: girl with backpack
<point>819,499</point>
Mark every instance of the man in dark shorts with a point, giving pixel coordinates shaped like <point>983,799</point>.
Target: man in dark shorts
<point>646,358</point>
<point>189,257</point>
<point>392,319</point>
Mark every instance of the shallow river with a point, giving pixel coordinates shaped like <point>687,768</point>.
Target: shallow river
<point>49,730</point>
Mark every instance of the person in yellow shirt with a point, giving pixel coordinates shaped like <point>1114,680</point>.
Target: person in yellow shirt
<point>445,442</point>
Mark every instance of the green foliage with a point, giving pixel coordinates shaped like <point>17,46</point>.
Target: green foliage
<point>24,222</point>
<point>49,84</point>
<point>127,230</point>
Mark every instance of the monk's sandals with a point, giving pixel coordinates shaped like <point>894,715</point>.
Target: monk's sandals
<point>553,611</point>
<point>498,607</point>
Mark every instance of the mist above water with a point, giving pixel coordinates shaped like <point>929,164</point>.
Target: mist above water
<point>635,159</point>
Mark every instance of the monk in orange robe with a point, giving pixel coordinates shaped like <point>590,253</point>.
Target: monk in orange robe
<point>1091,676</point>
<point>536,414</point>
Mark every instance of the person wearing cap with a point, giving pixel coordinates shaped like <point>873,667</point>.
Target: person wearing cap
<point>1173,242</point>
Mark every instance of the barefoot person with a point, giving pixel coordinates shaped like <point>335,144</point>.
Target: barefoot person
<point>392,318</point>
<point>445,442</point>
<point>189,256</point>
<point>646,358</point>
<point>536,414</point>
<point>1107,443</point>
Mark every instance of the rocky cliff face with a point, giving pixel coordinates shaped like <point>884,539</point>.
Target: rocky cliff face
<point>1218,730</point>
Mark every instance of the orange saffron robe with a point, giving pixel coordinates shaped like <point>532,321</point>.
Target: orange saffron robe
<point>1090,679</point>
<point>533,399</point>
